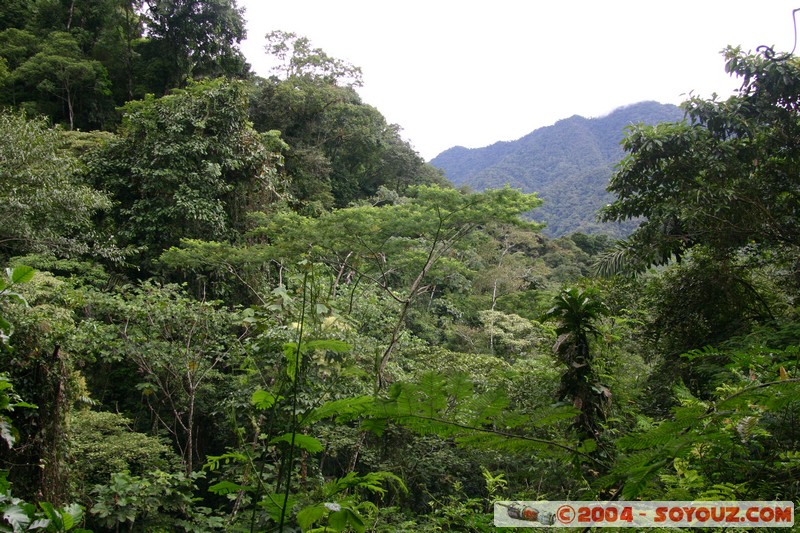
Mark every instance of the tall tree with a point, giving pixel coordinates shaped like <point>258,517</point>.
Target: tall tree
<point>404,247</point>
<point>726,177</point>
<point>14,13</point>
<point>187,165</point>
<point>576,312</point>
<point>342,149</point>
<point>178,345</point>
<point>61,72</point>
<point>195,39</point>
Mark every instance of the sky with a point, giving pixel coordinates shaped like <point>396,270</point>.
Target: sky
<point>468,73</point>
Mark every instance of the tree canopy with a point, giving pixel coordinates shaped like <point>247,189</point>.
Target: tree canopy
<point>723,178</point>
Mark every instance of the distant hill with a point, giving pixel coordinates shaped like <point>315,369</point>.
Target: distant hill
<point>568,164</point>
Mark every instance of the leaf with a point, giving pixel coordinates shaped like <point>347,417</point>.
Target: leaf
<point>52,514</point>
<point>72,514</point>
<point>262,399</point>
<point>40,523</point>
<point>21,274</point>
<point>15,297</point>
<point>7,432</point>
<point>374,425</point>
<point>372,481</point>
<point>68,521</point>
<point>275,503</point>
<point>588,446</point>
<point>338,520</point>
<point>228,487</point>
<point>343,409</point>
<point>332,345</point>
<point>213,462</point>
<point>356,522</point>
<point>6,329</point>
<point>19,516</point>
<point>292,354</point>
<point>308,516</point>
<point>305,442</point>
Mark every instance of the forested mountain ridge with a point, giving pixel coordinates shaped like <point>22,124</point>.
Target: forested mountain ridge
<point>568,164</point>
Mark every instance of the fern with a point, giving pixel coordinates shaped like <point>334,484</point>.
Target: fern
<point>372,482</point>
<point>342,410</point>
<point>447,406</point>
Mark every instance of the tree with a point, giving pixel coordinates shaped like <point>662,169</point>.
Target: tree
<point>576,311</point>
<point>44,206</point>
<point>14,12</point>
<point>187,165</point>
<point>60,70</point>
<point>300,60</point>
<point>342,150</point>
<point>726,177</point>
<point>194,39</point>
<point>179,347</point>
<point>113,33</point>
<point>405,247</point>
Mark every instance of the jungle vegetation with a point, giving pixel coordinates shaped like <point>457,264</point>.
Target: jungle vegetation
<point>235,303</point>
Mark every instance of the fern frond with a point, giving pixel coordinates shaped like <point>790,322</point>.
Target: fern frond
<point>487,407</point>
<point>342,410</point>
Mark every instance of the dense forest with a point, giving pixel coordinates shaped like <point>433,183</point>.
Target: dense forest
<point>236,303</point>
<point>567,165</point>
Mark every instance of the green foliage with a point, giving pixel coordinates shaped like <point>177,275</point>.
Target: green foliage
<point>44,205</point>
<point>157,501</point>
<point>343,150</point>
<point>722,178</point>
<point>577,312</point>
<point>300,61</point>
<point>195,39</point>
<point>449,407</point>
<point>62,72</point>
<point>700,435</point>
<point>13,276</point>
<point>102,443</point>
<point>9,401</point>
<point>179,347</point>
<point>187,165</point>
<point>343,510</point>
<point>383,366</point>
<point>19,516</point>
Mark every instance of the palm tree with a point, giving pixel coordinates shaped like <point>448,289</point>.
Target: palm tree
<point>576,312</point>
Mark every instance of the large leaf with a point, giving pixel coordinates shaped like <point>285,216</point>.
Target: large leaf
<point>332,345</point>
<point>228,487</point>
<point>293,355</point>
<point>262,399</point>
<point>275,504</point>
<point>7,432</point>
<point>72,514</point>
<point>306,442</point>
<point>340,519</point>
<point>18,515</point>
<point>308,516</point>
<point>6,329</point>
<point>53,515</point>
<point>20,274</point>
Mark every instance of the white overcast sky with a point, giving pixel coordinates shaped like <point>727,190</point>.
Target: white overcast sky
<point>473,73</point>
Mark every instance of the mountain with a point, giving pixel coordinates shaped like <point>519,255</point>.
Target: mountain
<point>568,164</point>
